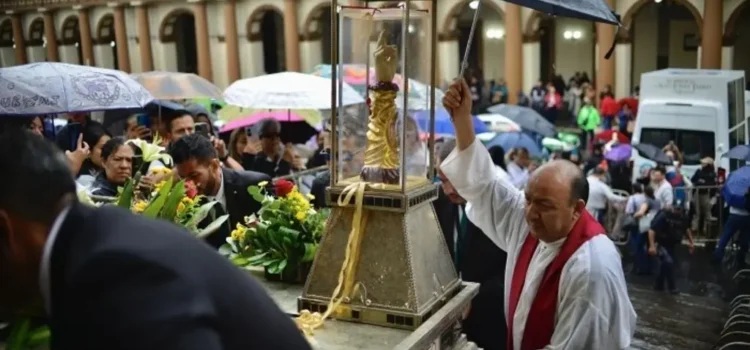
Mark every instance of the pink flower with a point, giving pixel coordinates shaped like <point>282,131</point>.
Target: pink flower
<point>190,189</point>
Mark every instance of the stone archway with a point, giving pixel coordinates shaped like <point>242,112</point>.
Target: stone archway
<point>105,43</point>
<point>318,27</point>
<point>7,51</point>
<point>663,35</point>
<point>70,49</point>
<point>36,33</point>
<point>178,28</point>
<point>266,24</point>
<point>737,37</point>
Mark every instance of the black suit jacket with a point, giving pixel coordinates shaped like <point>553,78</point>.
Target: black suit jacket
<point>239,202</point>
<point>120,281</point>
<point>481,261</point>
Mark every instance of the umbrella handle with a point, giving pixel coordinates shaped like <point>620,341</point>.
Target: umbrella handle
<point>465,61</point>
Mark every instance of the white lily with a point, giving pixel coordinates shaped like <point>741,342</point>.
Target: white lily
<point>152,151</point>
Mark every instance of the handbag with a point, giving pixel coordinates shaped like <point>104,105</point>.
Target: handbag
<point>629,223</point>
<point>644,224</point>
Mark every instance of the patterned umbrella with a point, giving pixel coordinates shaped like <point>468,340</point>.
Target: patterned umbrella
<point>177,86</point>
<point>52,88</point>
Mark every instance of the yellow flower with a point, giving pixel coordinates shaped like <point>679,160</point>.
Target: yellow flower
<point>262,183</point>
<point>139,206</point>
<point>310,196</point>
<point>159,185</point>
<point>160,171</point>
<point>238,234</point>
<point>301,215</point>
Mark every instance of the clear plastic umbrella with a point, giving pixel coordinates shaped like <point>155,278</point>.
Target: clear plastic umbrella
<point>53,88</point>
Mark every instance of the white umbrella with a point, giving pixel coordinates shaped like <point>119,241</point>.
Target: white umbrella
<point>287,90</point>
<point>499,123</point>
<point>52,88</point>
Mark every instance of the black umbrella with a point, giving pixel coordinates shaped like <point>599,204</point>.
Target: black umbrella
<point>741,152</point>
<point>590,10</point>
<point>527,118</point>
<point>652,152</point>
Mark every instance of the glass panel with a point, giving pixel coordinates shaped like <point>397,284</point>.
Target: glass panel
<point>695,144</point>
<point>402,49</point>
<point>731,104</point>
<point>736,137</point>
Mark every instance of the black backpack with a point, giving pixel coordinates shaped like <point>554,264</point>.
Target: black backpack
<point>675,227</point>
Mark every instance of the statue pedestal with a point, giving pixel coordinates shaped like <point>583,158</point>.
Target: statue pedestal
<point>440,332</point>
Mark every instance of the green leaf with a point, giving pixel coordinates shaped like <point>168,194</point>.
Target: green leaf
<point>19,335</point>
<point>256,193</point>
<point>126,197</point>
<point>282,266</point>
<point>310,250</point>
<point>226,249</point>
<point>153,208</point>
<point>266,263</point>
<point>173,201</point>
<point>289,231</point>
<point>39,337</point>
<point>212,227</point>
<point>239,261</point>
<point>258,257</point>
<point>201,213</point>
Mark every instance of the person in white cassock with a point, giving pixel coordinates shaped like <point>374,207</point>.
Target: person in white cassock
<point>564,284</point>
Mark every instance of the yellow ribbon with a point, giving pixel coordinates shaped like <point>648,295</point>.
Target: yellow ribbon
<point>308,322</point>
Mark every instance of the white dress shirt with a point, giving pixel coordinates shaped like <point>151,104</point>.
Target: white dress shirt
<point>220,196</point>
<point>518,176</point>
<point>44,267</point>
<point>593,308</point>
<point>599,195</point>
<point>664,194</point>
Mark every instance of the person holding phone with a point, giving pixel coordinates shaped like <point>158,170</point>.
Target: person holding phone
<point>273,158</point>
<point>67,138</point>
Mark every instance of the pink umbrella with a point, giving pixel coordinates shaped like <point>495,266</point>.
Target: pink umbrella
<point>282,116</point>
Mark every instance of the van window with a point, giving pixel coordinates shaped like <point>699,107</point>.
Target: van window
<point>693,144</point>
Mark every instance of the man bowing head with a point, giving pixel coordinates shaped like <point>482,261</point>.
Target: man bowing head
<point>564,285</point>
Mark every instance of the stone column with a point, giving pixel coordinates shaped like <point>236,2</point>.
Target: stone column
<point>50,35</point>
<point>623,71</point>
<point>144,36</point>
<point>605,37</point>
<point>121,39</point>
<point>231,41</point>
<point>513,51</point>
<point>291,35</point>
<point>87,43</point>
<point>201,35</point>
<point>19,43</point>
<point>532,52</point>
<point>727,57</point>
<point>711,37</point>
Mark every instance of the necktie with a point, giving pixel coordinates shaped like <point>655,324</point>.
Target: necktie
<point>461,228</point>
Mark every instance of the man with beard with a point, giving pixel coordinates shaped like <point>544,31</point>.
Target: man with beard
<point>478,260</point>
<point>195,159</point>
<point>112,280</point>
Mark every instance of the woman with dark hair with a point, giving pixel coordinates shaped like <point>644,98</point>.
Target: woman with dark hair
<point>497,153</point>
<point>117,160</point>
<point>95,136</point>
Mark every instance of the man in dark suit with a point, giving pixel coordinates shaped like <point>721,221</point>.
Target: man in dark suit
<point>479,260</point>
<point>112,280</point>
<point>196,160</point>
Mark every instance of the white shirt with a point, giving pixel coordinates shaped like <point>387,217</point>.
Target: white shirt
<point>44,267</point>
<point>518,176</point>
<point>599,195</point>
<point>593,308</point>
<point>663,193</point>
<point>220,196</point>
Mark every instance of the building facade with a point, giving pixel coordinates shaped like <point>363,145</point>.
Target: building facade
<point>225,40</point>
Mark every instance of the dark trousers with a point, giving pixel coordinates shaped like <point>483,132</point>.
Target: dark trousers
<point>638,245</point>
<point>607,122</point>
<point>735,223</point>
<point>667,267</point>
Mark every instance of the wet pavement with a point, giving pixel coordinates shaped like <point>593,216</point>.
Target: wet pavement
<point>691,320</point>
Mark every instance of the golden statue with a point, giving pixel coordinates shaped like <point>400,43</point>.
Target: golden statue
<point>381,157</point>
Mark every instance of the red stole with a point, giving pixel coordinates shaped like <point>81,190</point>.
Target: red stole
<point>540,323</point>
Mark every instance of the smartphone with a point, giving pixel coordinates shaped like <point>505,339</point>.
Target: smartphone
<point>202,129</point>
<point>74,131</point>
<point>144,120</point>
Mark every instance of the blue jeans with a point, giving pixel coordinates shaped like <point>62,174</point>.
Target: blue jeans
<point>638,245</point>
<point>623,121</point>
<point>735,223</point>
<point>665,257</point>
<point>607,122</point>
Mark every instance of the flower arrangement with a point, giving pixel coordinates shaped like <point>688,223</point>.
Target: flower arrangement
<point>177,202</point>
<point>284,235</point>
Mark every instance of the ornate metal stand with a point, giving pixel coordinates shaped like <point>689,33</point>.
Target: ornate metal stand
<point>405,273</point>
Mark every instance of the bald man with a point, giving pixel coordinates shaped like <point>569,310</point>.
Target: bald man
<point>564,284</point>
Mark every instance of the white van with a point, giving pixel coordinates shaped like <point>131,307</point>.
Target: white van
<point>702,111</point>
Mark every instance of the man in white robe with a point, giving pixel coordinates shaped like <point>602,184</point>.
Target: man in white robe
<point>590,307</point>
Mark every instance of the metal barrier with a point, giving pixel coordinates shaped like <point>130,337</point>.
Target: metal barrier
<point>708,231</point>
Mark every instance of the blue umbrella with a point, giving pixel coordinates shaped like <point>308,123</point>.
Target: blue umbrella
<point>527,118</point>
<point>510,140</point>
<point>735,188</point>
<point>589,10</point>
<point>443,124</point>
<point>741,152</point>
